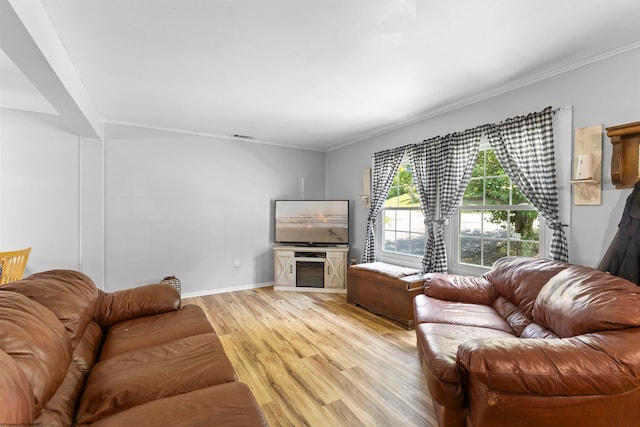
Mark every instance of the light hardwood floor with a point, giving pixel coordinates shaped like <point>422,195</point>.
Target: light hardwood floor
<point>312,359</point>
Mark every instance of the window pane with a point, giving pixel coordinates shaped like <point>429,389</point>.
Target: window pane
<point>389,220</point>
<point>404,178</point>
<point>493,250</point>
<point>389,243</point>
<point>417,222</point>
<point>493,165</point>
<point>528,249</point>
<point>524,225</point>
<point>494,224</point>
<point>498,191</point>
<point>474,193</point>
<point>403,242</point>
<point>478,168</point>
<point>403,220</point>
<point>392,198</point>
<point>517,197</point>
<point>417,244</point>
<point>470,250</point>
<point>403,229</point>
<point>486,234</point>
<point>470,223</point>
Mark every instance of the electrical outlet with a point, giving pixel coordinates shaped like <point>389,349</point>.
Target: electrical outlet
<point>236,262</point>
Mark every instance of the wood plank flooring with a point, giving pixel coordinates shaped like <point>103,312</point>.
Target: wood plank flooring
<point>312,359</point>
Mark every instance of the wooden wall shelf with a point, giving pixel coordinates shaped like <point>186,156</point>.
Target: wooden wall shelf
<point>624,160</point>
<point>588,140</point>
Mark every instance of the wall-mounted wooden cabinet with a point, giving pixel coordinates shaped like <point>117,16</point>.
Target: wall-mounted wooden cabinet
<point>625,170</point>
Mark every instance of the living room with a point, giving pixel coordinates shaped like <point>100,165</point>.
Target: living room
<point>139,201</point>
<point>153,194</point>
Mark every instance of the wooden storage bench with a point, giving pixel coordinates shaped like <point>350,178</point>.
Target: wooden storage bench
<point>385,289</point>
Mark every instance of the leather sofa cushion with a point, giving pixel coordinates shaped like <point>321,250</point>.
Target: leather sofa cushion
<point>579,300</point>
<point>519,279</point>
<point>37,341</point>
<point>127,304</point>
<point>587,365</point>
<point>136,377</point>
<point>225,405</point>
<point>440,343</point>
<point>452,287</point>
<point>149,331</point>
<point>60,409</point>
<point>17,406</point>
<point>432,310</point>
<point>70,295</point>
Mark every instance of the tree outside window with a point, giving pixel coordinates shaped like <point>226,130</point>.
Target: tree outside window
<point>495,218</point>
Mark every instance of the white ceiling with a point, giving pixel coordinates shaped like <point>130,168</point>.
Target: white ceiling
<point>316,74</point>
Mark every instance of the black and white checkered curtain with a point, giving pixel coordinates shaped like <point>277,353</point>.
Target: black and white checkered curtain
<point>385,166</point>
<point>442,168</point>
<point>424,172</point>
<point>524,148</point>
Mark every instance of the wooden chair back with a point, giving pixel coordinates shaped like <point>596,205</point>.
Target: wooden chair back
<point>12,265</point>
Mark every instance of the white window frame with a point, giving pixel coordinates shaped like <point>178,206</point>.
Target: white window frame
<point>452,232</point>
<point>394,257</point>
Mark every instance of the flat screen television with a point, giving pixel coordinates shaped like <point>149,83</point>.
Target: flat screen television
<point>312,222</point>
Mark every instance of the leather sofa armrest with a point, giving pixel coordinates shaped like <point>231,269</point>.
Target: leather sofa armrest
<point>590,364</point>
<point>453,287</point>
<point>131,303</point>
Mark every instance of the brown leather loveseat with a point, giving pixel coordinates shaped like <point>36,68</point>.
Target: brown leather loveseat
<point>531,343</point>
<point>71,354</point>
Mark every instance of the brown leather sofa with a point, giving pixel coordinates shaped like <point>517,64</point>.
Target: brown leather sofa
<point>71,354</point>
<point>531,343</point>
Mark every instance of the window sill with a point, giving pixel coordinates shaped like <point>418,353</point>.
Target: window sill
<point>400,259</point>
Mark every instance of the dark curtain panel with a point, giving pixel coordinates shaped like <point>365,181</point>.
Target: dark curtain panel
<point>524,147</point>
<point>385,166</point>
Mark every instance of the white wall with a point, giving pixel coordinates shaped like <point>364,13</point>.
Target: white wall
<point>187,206</point>
<point>606,92</point>
<point>92,209</point>
<point>40,203</point>
<point>172,203</point>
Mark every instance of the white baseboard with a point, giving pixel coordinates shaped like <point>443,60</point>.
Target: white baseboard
<point>224,290</point>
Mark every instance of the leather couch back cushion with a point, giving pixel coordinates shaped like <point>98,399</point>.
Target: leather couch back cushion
<point>70,295</point>
<point>511,314</point>
<point>519,279</point>
<point>128,304</point>
<point>580,300</point>
<point>37,341</point>
<point>16,394</point>
<point>453,287</point>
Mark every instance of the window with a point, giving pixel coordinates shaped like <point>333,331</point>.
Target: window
<point>495,219</point>
<point>403,221</point>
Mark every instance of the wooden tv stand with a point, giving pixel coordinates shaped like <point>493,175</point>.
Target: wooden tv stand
<point>311,268</point>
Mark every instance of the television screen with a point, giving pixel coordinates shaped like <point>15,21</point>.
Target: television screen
<point>312,222</point>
